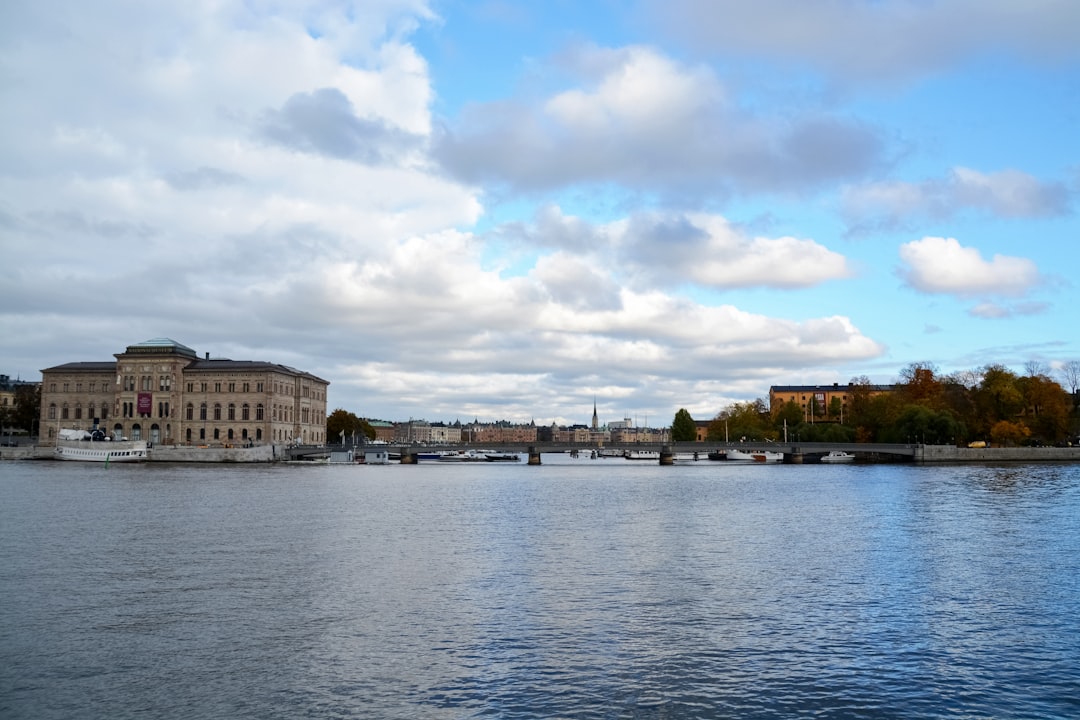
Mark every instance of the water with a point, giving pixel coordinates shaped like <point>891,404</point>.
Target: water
<point>578,589</point>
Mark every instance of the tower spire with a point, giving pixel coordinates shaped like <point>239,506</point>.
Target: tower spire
<point>595,418</point>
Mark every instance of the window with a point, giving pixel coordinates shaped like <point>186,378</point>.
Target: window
<point>217,411</point>
<point>217,388</point>
<point>66,385</point>
<point>191,387</point>
<point>202,411</point>
<point>78,387</point>
<point>245,412</point>
<point>64,412</point>
<point>190,411</point>
<point>104,411</point>
<point>217,434</point>
<point>93,387</point>
<point>259,412</point>
<point>202,387</point>
<point>232,412</point>
<point>258,387</point>
<point>78,411</point>
<point>188,435</point>
<point>52,411</point>
<point>247,387</point>
<point>232,387</point>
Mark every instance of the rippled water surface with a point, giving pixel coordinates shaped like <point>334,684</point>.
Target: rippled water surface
<point>578,589</point>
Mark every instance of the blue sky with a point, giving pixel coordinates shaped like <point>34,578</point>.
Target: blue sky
<point>503,210</point>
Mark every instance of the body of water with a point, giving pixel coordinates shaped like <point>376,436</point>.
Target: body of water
<point>576,589</point>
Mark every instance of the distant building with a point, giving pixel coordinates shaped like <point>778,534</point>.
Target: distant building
<point>819,396</point>
<point>161,391</point>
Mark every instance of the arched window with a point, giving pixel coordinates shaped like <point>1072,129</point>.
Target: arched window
<point>258,433</point>
<point>64,412</point>
<point>217,433</point>
<point>188,435</point>
<point>245,412</point>
<point>232,412</point>
<point>243,434</point>
<point>217,412</point>
<point>136,432</point>
<point>190,411</point>
<point>202,411</point>
<point>230,433</point>
<point>260,413</point>
<point>104,410</point>
<point>52,411</point>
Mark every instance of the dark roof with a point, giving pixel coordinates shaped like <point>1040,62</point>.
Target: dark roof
<point>84,367</point>
<point>830,388</point>
<point>247,365</point>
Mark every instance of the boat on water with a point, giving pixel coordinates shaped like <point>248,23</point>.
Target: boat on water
<point>642,455</point>
<point>837,456</point>
<point>755,456</point>
<point>501,457</point>
<point>97,447</point>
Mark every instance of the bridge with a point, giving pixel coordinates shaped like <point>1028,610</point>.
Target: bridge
<point>794,452</point>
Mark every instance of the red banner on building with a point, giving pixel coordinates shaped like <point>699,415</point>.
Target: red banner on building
<point>145,404</point>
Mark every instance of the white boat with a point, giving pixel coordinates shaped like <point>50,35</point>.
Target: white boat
<point>837,456</point>
<point>643,455</point>
<point>102,450</point>
<point>456,456</point>
<point>755,456</point>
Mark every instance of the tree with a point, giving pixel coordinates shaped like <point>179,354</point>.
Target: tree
<point>919,383</point>
<point>683,428</point>
<point>1008,433</point>
<point>25,411</point>
<point>836,408</point>
<point>1070,374</point>
<point>342,425</point>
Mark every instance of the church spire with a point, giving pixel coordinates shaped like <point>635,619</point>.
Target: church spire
<point>595,418</point>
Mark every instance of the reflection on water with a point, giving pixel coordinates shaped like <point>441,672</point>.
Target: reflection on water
<point>593,589</point>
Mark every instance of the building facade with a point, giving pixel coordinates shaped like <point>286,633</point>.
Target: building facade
<point>162,392</point>
<point>818,401</point>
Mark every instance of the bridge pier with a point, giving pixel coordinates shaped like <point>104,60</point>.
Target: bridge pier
<point>408,457</point>
<point>666,456</point>
<point>793,458</point>
<point>534,455</point>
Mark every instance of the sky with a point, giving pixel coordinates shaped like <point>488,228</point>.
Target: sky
<point>510,210</point>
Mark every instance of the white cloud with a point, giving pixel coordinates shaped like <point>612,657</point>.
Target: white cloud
<point>1007,194</point>
<point>227,178</point>
<point>857,41</point>
<point>943,266</point>
<point>644,121</point>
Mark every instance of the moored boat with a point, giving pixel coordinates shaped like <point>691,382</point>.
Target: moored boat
<point>102,450</point>
<point>837,456</point>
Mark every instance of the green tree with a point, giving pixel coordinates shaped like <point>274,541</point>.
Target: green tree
<point>683,428</point>
<point>342,425</point>
<point>789,415</point>
<point>750,421</point>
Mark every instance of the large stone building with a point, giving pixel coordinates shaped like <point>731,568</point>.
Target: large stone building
<point>161,391</point>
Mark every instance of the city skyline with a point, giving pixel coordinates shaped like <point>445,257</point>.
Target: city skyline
<point>503,210</point>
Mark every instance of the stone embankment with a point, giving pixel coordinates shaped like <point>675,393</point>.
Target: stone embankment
<point>951,454</point>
